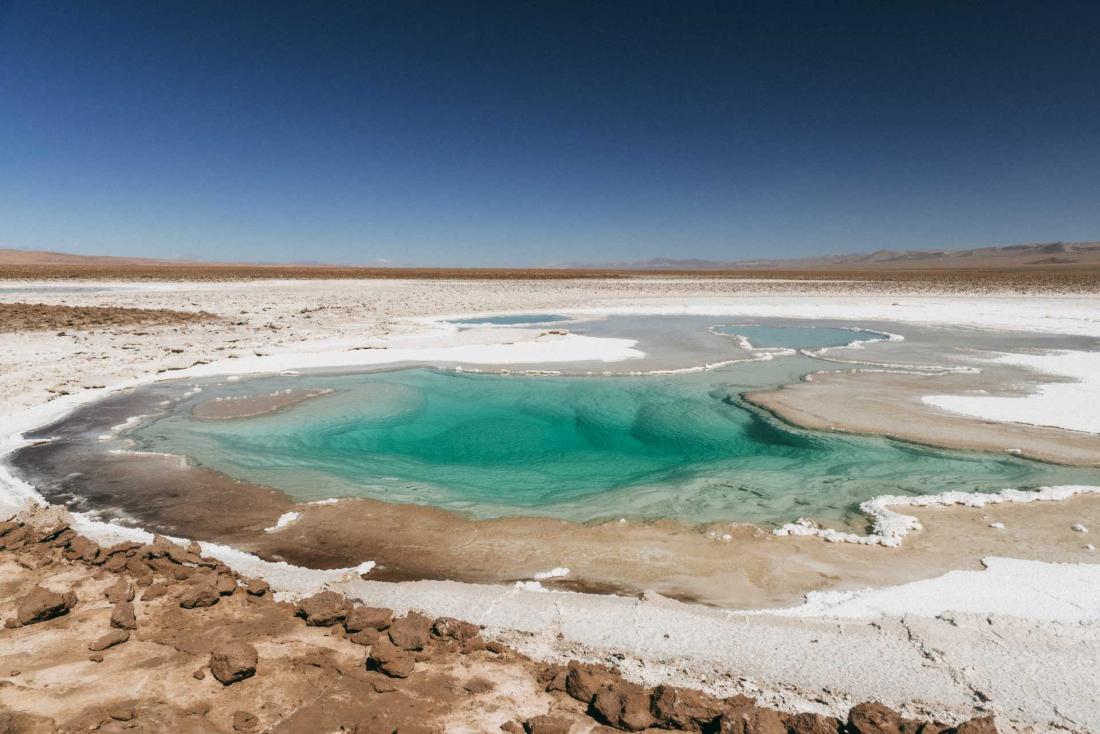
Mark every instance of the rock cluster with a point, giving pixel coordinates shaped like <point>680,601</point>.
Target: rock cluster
<point>159,566</point>
<point>396,643</point>
<point>627,706</point>
<point>400,647</point>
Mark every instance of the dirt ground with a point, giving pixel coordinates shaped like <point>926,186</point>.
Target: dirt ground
<point>43,317</point>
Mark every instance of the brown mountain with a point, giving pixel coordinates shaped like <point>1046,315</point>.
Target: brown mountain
<point>1041,255</point>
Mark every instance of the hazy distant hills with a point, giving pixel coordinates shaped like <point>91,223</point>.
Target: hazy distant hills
<point>1050,254</point>
<point>42,257</point>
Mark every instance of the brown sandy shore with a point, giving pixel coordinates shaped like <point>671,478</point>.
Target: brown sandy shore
<point>733,566</point>
<point>158,638</point>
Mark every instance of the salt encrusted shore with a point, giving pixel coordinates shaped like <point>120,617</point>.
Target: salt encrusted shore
<point>931,664</point>
<point>889,527</point>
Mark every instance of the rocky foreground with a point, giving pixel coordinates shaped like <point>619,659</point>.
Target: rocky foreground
<point>157,637</point>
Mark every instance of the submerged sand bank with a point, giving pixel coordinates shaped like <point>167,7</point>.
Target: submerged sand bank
<point>890,404</point>
<point>251,406</point>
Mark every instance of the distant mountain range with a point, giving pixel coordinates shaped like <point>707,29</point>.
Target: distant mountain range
<point>43,257</point>
<point>1048,254</point>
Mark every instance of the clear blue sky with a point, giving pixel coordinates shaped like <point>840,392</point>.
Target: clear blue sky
<point>465,133</point>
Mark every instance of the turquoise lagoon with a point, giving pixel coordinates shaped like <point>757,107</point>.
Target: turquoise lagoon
<point>577,447</point>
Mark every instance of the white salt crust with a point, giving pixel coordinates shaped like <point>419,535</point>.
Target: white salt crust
<point>1073,405</point>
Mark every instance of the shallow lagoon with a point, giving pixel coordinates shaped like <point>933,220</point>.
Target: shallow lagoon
<point>580,447</point>
<point>799,337</point>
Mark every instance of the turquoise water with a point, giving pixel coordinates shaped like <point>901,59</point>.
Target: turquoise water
<point>797,337</point>
<point>516,319</point>
<point>574,447</point>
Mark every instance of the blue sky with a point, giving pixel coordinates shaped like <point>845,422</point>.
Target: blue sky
<point>518,133</point>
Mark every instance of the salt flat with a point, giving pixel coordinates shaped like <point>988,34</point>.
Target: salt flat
<point>922,658</point>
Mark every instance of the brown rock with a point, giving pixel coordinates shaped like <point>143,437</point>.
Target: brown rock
<point>80,548</point>
<point>180,556</point>
<point>96,657</point>
<point>120,590</point>
<point>199,674</point>
<point>807,723</point>
<point>194,548</point>
<point>42,604</point>
<point>225,585</point>
<point>547,724</point>
<point>138,567</point>
<point>624,705</point>
<point>232,662</point>
<point>163,566</point>
<point>121,712</point>
<point>155,591</point>
<point>474,644</point>
<point>244,721</point>
<point>390,659</point>
<point>552,678</point>
<point>53,532</point>
<point>913,726</point>
<point>448,628</point>
<point>873,718</point>
<point>115,563</point>
<point>363,618</point>
<point>366,637</point>
<point>751,721</point>
<point>683,708</point>
<point>324,609</point>
<point>159,547</point>
<point>982,725</point>
<point>16,538</point>
<point>199,595</point>
<point>123,616</point>
<point>122,548</point>
<point>512,727</point>
<point>257,587</point>
<point>112,638</point>
<point>411,632</point>
<point>582,681</point>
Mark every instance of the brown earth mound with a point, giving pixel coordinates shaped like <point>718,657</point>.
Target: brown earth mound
<point>44,317</point>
